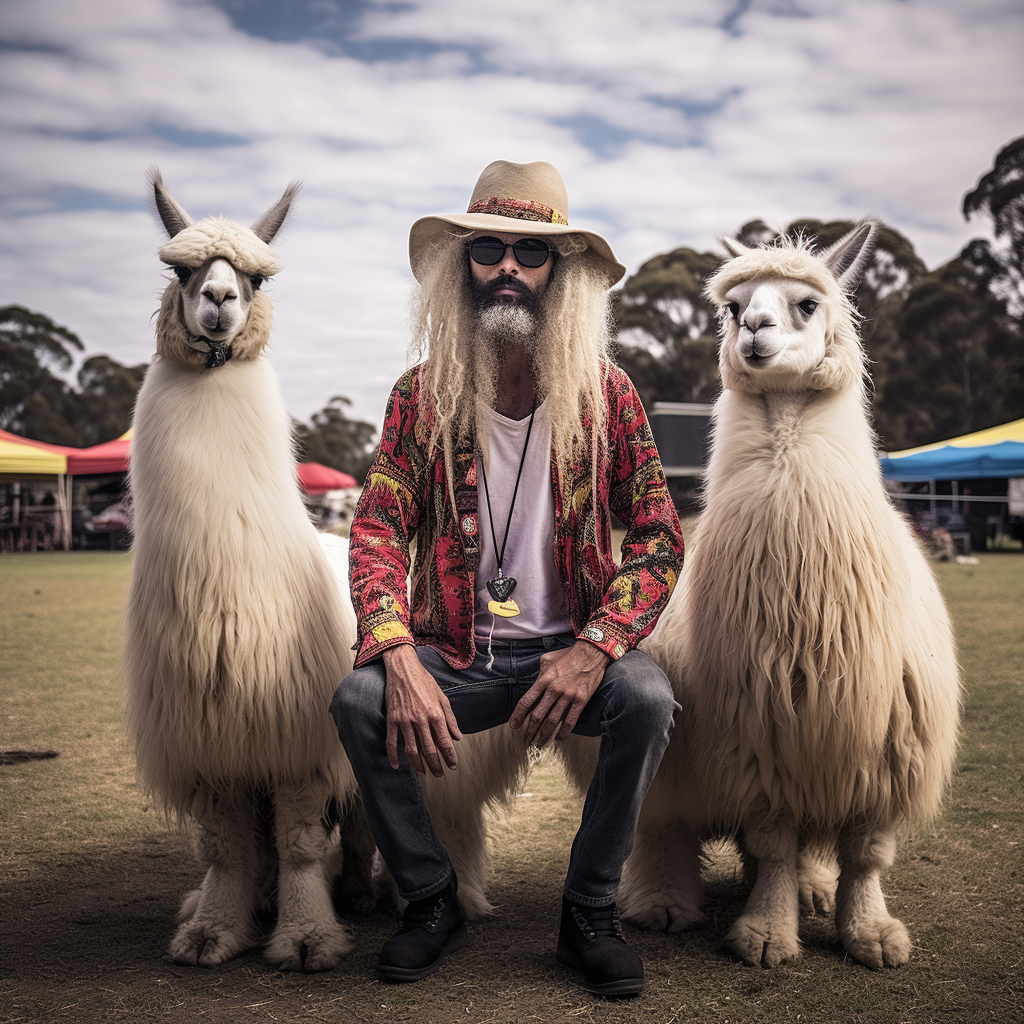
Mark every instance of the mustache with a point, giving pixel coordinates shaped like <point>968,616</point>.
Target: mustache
<point>486,291</point>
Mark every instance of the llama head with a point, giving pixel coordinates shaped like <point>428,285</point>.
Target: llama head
<point>786,319</point>
<point>214,310</point>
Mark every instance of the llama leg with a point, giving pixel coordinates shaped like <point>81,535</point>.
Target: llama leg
<point>308,935</point>
<point>661,884</point>
<point>766,933</point>
<point>492,766</point>
<point>465,840</point>
<point>865,928</point>
<point>818,873</point>
<point>356,888</point>
<point>217,922</point>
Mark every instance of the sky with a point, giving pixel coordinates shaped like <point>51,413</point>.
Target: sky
<point>673,122</point>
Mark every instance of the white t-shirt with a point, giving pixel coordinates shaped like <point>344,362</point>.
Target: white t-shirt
<point>529,555</point>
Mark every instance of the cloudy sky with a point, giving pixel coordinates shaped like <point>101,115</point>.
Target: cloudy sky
<point>672,121</point>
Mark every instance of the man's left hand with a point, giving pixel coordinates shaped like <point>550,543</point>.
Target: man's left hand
<point>565,684</point>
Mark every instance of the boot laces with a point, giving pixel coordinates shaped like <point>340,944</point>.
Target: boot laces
<point>599,922</point>
<point>428,916</point>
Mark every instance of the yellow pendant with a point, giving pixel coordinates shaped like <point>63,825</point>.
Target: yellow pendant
<point>504,608</point>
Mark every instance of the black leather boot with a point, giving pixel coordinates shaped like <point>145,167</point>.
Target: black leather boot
<point>590,940</point>
<point>431,928</point>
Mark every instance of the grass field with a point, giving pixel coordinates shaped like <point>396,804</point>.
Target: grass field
<point>90,877</point>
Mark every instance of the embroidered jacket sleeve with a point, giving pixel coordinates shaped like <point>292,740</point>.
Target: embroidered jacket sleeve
<point>652,550</point>
<point>385,519</point>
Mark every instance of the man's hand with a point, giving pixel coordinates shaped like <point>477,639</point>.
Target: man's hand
<point>418,707</point>
<point>567,681</point>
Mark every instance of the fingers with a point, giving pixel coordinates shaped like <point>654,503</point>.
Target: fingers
<point>419,712</point>
<point>428,746</point>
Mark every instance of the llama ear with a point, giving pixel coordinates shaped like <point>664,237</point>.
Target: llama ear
<point>732,247</point>
<point>270,223</point>
<point>848,258</point>
<point>172,215</point>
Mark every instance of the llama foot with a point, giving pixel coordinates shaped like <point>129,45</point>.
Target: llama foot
<point>200,943</point>
<point>879,943</point>
<point>318,947</point>
<point>865,927</point>
<point>665,912</point>
<point>818,873</point>
<point>761,942</point>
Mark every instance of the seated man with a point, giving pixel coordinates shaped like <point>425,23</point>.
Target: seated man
<point>503,455</point>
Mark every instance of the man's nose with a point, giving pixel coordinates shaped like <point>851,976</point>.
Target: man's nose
<point>508,264</point>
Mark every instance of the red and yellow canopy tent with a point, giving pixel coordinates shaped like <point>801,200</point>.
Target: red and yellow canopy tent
<point>25,460</point>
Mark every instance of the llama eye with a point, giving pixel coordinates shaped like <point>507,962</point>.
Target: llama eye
<point>734,309</point>
<point>256,280</point>
<point>808,306</point>
<point>184,273</point>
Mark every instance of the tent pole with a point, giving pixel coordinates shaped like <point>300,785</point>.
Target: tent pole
<point>66,502</point>
<point>931,493</point>
<point>956,492</point>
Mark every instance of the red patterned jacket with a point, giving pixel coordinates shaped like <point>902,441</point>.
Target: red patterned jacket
<point>406,496</point>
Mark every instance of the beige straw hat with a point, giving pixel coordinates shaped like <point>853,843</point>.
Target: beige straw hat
<point>520,198</point>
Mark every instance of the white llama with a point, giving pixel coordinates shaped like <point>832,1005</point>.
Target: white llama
<point>236,630</point>
<point>807,641</point>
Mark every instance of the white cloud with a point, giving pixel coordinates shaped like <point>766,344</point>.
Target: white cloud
<point>671,124</point>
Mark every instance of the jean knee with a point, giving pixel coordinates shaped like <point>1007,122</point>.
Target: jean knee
<point>645,690</point>
<point>359,701</point>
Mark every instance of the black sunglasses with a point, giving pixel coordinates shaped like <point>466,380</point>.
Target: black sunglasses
<point>529,252</point>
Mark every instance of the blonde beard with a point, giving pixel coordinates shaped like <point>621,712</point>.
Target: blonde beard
<point>569,349</point>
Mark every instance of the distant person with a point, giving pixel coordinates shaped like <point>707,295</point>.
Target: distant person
<point>503,456</point>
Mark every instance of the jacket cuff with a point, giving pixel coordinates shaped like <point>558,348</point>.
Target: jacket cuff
<point>385,633</point>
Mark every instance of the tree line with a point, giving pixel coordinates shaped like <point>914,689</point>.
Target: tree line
<point>945,347</point>
<point>38,401</point>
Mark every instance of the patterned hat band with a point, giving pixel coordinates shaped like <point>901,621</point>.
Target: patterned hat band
<point>520,209</point>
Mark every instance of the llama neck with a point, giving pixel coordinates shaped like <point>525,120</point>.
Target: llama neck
<point>216,438</point>
<point>792,436</point>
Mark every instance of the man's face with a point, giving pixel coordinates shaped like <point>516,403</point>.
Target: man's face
<point>507,294</point>
<point>504,280</point>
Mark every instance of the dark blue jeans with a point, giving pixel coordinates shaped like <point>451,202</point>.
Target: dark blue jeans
<point>633,711</point>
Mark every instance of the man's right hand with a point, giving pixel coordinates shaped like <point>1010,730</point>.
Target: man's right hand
<point>419,709</point>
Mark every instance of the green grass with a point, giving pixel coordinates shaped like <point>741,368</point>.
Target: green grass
<point>90,878</point>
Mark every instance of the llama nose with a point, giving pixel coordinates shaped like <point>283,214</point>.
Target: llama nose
<point>755,321</point>
<point>218,292</point>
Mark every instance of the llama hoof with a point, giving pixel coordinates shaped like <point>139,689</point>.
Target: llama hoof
<point>204,946</point>
<point>818,879</point>
<point>660,916</point>
<point>757,942</point>
<point>816,898</point>
<point>877,944</point>
<point>474,904</point>
<point>315,949</point>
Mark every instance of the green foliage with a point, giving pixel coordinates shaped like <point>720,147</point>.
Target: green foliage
<point>34,400</point>
<point>667,341</point>
<point>335,440</point>
<point>1000,195</point>
<point>37,402</point>
<point>959,364</point>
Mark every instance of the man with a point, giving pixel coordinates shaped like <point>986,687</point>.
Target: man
<point>503,455</point>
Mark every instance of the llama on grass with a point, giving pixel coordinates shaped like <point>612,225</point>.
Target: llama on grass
<point>808,643</point>
<point>236,630</point>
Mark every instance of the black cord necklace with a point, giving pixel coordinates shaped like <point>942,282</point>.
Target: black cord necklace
<point>501,587</point>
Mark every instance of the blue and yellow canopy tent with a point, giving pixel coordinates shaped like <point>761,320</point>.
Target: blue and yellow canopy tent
<point>995,452</point>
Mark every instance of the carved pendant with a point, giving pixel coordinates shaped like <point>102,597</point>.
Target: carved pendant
<point>506,609</point>
<point>501,587</point>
